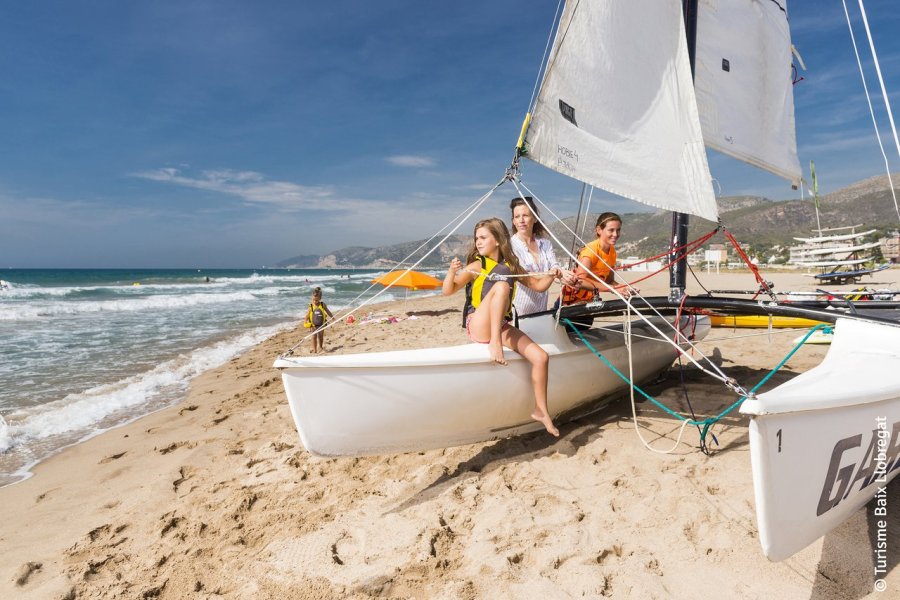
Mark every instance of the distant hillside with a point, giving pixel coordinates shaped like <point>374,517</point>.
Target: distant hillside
<point>765,226</point>
<point>384,257</point>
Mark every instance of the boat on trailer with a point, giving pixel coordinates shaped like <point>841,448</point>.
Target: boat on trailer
<point>412,400</point>
<point>837,254</point>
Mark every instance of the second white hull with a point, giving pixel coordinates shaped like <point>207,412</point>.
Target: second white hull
<point>826,442</point>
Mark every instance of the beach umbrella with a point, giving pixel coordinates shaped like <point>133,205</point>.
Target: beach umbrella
<point>411,280</point>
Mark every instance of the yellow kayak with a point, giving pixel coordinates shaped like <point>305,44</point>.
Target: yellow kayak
<point>761,321</point>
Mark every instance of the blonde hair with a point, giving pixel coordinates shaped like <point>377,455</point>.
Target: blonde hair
<point>497,228</point>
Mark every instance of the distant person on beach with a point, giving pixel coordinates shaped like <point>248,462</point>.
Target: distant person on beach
<point>596,259</point>
<point>316,317</point>
<point>488,306</point>
<point>536,255</point>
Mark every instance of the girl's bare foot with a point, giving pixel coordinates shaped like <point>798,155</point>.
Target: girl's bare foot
<point>496,352</point>
<point>547,422</point>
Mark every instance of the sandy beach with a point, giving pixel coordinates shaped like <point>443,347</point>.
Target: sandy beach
<point>216,497</point>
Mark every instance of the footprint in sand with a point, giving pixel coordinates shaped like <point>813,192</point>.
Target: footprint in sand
<point>170,523</point>
<point>174,446</point>
<point>616,549</point>
<point>113,457</point>
<point>184,474</point>
<point>95,533</point>
<point>348,548</point>
<point>45,495</point>
<point>25,572</point>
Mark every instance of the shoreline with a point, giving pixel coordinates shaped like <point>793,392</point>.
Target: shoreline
<point>215,497</point>
<point>185,365</point>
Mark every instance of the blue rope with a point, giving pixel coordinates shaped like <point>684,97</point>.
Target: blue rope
<point>709,422</point>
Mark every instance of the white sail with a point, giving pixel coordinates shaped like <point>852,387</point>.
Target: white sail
<point>743,83</point>
<point>617,108</point>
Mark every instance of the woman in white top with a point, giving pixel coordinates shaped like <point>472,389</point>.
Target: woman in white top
<point>535,254</point>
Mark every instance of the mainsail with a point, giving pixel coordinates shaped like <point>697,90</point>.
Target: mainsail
<point>617,108</point>
<point>743,84</point>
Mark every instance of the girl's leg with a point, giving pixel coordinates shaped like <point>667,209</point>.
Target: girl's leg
<point>487,321</point>
<point>315,342</point>
<point>533,353</point>
<point>321,336</point>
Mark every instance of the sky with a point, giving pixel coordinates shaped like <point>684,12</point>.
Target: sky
<point>234,133</point>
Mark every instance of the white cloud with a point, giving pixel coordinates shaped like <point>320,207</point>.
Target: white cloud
<point>255,188</point>
<point>407,160</point>
<point>848,141</point>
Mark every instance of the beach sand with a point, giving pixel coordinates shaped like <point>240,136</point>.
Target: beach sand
<point>216,498</point>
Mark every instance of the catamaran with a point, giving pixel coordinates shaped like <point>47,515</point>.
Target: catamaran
<point>839,256</point>
<point>634,118</point>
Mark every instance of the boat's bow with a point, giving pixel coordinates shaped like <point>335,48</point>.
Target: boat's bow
<point>826,442</point>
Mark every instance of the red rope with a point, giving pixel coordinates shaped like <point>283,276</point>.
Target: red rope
<point>763,285</point>
<point>672,250</point>
<point>688,249</point>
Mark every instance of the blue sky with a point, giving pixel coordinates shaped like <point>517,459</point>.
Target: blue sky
<point>236,134</point>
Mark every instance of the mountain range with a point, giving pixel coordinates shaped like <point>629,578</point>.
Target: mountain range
<point>764,227</point>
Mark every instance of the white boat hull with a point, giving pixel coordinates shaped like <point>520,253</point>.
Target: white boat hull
<point>826,442</point>
<point>404,401</point>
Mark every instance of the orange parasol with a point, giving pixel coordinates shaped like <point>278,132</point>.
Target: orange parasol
<point>412,280</point>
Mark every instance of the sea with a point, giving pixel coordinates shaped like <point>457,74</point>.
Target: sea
<point>86,350</point>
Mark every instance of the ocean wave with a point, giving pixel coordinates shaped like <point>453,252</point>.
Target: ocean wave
<point>77,415</point>
<point>144,303</point>
<point>5,441</point>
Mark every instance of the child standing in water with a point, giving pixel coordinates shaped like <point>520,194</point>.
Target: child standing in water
<point>488,310</point>
<point>316,317</point>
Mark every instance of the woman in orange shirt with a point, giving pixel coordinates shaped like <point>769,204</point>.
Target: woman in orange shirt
<point>599,258</point>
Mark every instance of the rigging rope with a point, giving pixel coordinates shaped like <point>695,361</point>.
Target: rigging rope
<point>763,284</point>
<point>862,76</point>
<point>716,373</point>
<point>538,78</point>
<point>708,422</point>
<point>884,94</point>
<point>462,218</point>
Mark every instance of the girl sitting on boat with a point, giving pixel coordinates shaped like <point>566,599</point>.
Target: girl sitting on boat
<point>488,308</point>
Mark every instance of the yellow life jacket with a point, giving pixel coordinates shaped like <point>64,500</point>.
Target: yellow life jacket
<point>316,315</point>
<point>476,290</point>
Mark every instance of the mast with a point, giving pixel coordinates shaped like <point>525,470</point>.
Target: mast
<point>815,191</point>
<point>680,221</point>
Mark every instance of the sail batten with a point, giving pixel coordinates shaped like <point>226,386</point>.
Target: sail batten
<point>617,108</point>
